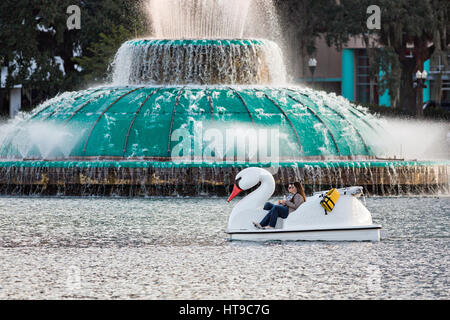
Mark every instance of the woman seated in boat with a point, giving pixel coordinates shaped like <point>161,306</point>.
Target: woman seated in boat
<point>294,200</point>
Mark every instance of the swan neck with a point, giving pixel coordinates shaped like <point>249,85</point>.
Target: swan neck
<point>259,197</point>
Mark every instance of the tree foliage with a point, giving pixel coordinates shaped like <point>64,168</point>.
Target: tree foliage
<point>424,23</point>
<point>43,54</point>
<point>99,56</point>
<point>302,22</point>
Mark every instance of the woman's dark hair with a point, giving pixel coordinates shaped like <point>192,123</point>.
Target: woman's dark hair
<point>299,188</point>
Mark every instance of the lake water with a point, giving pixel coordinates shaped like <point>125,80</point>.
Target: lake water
<point>173,248</point>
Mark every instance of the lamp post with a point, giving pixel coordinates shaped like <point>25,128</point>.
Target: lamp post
<point>312,63</point>
<point>419,84</point>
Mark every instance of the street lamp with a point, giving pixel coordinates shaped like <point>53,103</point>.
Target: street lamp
<point>421,77</point>
<point>312,63</point>
<point>419,84</point>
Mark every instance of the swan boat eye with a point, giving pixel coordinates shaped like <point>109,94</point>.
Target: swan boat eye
<point>237,182</point>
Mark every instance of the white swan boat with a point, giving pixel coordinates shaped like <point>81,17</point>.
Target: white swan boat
<point>349,221</point>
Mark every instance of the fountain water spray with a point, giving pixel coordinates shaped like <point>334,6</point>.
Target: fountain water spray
<point>213,19</point>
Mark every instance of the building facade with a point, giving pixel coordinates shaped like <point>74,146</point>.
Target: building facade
<point>346,73</point>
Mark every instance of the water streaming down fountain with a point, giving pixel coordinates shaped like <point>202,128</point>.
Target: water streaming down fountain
<point>191,62</point>
<point>146,133</point>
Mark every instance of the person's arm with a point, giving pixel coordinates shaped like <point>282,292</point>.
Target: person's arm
<point>297,201</point>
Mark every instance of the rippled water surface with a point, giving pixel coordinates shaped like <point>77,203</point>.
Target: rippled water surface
<point>73,248</point>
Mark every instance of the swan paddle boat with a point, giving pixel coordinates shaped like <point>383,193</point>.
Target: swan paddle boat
<point>349,220</point>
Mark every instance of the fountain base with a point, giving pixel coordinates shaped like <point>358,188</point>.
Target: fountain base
<point>145,178</point>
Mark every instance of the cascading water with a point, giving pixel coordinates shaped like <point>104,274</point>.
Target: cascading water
<point>190,107</point>
<point>192,62</point>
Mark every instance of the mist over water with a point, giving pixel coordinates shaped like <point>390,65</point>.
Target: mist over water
<point>37,140</point>
<point>415,139</point>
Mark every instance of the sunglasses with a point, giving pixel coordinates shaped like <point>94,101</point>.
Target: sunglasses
<point>290,187</point>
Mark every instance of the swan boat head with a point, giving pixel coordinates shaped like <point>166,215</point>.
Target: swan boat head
<point>250,208</point>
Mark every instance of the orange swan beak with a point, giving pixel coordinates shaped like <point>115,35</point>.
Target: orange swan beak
<point>236,191</point>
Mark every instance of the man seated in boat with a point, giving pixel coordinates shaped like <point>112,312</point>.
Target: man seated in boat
<point>294,200</point>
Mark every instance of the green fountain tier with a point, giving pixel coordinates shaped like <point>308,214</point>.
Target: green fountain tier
<point>205,61</point>
<point>153,122</point>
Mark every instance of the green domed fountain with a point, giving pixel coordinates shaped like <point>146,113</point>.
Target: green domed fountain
<point>168,92</point>
<point>137,122</point>
<point>183,116</point>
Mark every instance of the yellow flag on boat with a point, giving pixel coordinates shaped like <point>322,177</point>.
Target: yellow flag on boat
<point>329,200</point>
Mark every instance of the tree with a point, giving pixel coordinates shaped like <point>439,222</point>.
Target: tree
<point>303,21</point>
<point>99,55</point>
<point>349,19</point>
<point>39,49</point>
<point>422,24</point>
<point>440,39</point>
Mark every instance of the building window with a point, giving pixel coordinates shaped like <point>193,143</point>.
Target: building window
<point>365,91</point>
